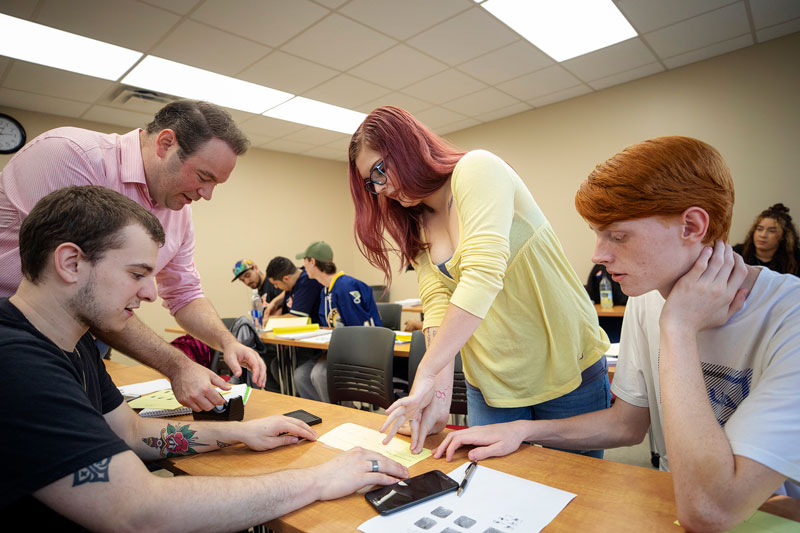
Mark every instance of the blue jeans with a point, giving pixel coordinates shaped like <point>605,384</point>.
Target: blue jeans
<point>589,397</point>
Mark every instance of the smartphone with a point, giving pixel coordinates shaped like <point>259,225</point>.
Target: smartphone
<point>305,416</point>
<point>411,491</point>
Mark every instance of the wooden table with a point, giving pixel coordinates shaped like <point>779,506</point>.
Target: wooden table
<point>413,309</point>
<point>610,496</point>
<point>616,311</point>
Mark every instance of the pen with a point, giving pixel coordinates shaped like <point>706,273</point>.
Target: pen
<point>467,475</point>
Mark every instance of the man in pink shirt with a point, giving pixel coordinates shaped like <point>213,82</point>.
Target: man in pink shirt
<point>188,149</point>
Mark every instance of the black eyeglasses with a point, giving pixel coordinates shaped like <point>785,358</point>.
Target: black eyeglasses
<point>377,176</point>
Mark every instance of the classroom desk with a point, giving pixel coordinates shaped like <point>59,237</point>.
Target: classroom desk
<point>616,311</point>
<point>413,309</point>
<point>611,496</point>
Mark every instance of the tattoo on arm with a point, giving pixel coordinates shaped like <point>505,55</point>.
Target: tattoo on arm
<point>440,395</point>
<point>221,444</point>
<point>430,333</point>
<point>94,473</point>
<point>174,442</point>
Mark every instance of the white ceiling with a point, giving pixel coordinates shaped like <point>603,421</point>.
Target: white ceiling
<point>447,61</point>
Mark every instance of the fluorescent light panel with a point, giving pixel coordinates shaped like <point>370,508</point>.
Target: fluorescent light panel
<point>47,46</point>
<point>318,114</point>
<point>563,29</point>
<point>166,76</point>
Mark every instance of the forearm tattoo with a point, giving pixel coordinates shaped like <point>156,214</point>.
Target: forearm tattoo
<point>94,473</point>
<point>430,333</point>
<point>174,442</point>
<point>221,444</point>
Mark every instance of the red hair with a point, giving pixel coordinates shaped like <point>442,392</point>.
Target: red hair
<point>418,162</point>
<point>660,177</point>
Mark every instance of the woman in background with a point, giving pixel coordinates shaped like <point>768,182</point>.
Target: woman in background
<point>772,242</point>
<point>493,280</point>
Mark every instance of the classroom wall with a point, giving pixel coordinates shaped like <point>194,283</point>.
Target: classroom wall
<point>744,103</point>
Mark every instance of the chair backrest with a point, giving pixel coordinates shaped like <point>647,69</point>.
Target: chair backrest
<point>380,293</point>
<point>458,405</point>
<point>242,328</point>
<point>360,365</point>
<point>390,314</point>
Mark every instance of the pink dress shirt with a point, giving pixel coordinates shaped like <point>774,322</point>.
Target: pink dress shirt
<point>72,156</point>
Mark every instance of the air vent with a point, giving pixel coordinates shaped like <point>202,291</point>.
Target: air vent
<point>141,100</point>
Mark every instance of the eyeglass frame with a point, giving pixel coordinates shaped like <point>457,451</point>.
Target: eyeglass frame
<point>371,181</point>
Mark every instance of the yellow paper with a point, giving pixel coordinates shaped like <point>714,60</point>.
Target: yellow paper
<point>286,321</point>
<point>295,329</point>
<point>349,436</point>
<point>761,522</point>
<point>163,399</point>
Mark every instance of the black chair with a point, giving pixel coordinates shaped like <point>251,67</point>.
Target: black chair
<point>390,315</point>
<point>360,365</point>
<point>458,405</point>
<point>380,293</point>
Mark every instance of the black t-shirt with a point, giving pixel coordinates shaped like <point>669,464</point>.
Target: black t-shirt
<point>52,417</point>
<point>269,289</point>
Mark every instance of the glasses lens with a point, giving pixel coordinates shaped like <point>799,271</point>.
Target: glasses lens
<point>378,174</point>
<point>370,187</point>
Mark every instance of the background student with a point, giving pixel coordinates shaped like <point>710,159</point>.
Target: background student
<point>772,241</point>
<point>710,349</point>
<point>247,271</point>
<point>344,301</point>
<point>493,280</point>
<point>72,447</point>
<point>188,149</point>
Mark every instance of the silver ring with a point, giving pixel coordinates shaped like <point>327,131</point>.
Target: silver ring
<point>375,466</point>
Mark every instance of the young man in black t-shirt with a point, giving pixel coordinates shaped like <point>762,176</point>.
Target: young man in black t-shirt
<point>72,449</point>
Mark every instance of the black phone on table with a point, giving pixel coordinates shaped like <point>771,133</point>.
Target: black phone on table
<point>305,416</point>
<point>411,491</point>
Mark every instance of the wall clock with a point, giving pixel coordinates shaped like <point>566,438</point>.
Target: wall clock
<point>12,135</point>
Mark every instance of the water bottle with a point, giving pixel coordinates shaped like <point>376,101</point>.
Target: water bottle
<point>606,297</point>
<point>257,311</point>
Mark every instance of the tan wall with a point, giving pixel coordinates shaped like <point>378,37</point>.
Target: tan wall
<point>744,103</point>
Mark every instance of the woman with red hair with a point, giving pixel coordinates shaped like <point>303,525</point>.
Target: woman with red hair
<point>493,279</point>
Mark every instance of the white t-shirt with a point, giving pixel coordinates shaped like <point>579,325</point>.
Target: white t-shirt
<point>751,367</point>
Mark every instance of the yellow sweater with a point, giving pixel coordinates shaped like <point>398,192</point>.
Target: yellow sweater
<point>539,328</point>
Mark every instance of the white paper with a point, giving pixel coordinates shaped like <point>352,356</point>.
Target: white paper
<point>409,302</point>
<point>304,334</point>
<point>144,388</point>
<point>613,349</point>
<point>493,502</point>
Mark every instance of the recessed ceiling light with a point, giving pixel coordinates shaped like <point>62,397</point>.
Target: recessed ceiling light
<point>563,29</point>
<point>169,77</point>
<point>47,46</point>
<point>318,114</point>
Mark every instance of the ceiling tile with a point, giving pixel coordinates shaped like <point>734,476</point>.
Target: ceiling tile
<point>398,67</point>
<point>271,22</point>
<point>560,96</point>
<point>409,103</point>
<point>122,22</point>
<point>283,145</point>
<point>119,117</point>
<point>287,73</point>
<point>622,77</point>
<point>444,87</point>
<point>324,44</point>
<point>438,116</point>
<point>331,4</point>
<point>268,126</point>
<point>483,101</point>
<point>772,12</point>
<point>648,15</point>
<point>459,125</point>
<point>616,58</point>
<point>4,62</point>
<point>539,83</point>
<point>779,30</point>
<point>720,25</point>
<point>208,48</point>
<point>327,153</point>
<point>22,9</point>
<point>464,37</point>
<point>341,145</point>
<point>403,19</point>
<point>180,7</point>
<point>504,112</point>
<point>346,91</point>
<point>511,61</point>
<point>310,135</point>
<point>41,103</point>
<point>256,141</point>
<point>709,51</point>
<point>37,79</point>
